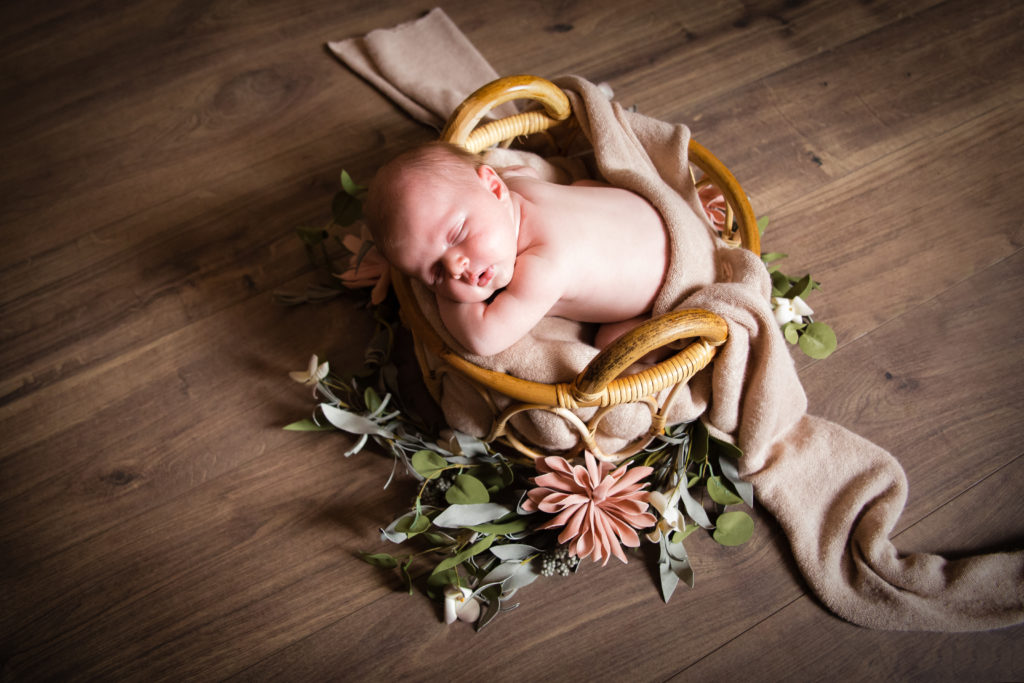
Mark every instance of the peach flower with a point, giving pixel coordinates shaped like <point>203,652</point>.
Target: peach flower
<point>713,201</point>
<point>599,507</point>
<point>373,270</point>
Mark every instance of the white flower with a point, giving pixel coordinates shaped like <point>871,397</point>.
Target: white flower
<point>668,509</point>
<point>313,374</point>
<point>459,603</point>
<point>790,310</point>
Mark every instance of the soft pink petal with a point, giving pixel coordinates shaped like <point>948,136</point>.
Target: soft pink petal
<point>564,517</point>
<point>558,482</point>
<point>557,501</point>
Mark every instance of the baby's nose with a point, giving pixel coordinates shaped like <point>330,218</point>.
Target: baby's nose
<point>457,265</point>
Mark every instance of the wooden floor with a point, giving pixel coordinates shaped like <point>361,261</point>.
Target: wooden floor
<point>157,523</point>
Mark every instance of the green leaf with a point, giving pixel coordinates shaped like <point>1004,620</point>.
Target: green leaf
<point>762,223</point>
<point>428,464</point>
<point>720,493</point>
<point>345,209</point>
<point>680,536</point>
<point>733,528</point>
<point>413,524</point>
<point>371,399</point>
<point>791,331</point>
<point>406,576</point>
<point>730,469</point>
<point>818,340</point>
<point>780,283</point>
<point>467,490</point>
<point>307,425</point>
<point>773,256</point>
<point>350,186</point>
<point>694,509</point>
<point>437,582</point>
<point>492,604</point>
<point>673,567</point>
<point>379,560</point>
<point>502,528</point>
<point>494,476</point>
<point>457,559</point>
<point>698,442</point>
<point>799,289</point>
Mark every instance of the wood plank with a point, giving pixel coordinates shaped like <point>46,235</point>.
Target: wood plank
<point>156,523</point>
<point>796,643</point>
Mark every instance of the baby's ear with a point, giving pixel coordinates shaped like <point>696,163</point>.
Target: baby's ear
<point>492,181</point>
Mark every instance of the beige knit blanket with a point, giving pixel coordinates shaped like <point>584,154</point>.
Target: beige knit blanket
<point>836,495</point>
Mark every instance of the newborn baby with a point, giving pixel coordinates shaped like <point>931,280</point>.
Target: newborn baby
<point>501,250</point>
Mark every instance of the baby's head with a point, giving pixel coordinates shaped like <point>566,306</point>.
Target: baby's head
<point>441,216</point>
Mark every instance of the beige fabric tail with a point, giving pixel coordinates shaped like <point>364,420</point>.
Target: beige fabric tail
<point>836,495</point>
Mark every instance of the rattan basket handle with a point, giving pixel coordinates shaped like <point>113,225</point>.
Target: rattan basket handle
<point>600,381</point>
<point>462,124</point>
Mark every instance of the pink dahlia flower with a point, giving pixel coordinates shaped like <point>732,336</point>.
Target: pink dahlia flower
<point>599,507</point>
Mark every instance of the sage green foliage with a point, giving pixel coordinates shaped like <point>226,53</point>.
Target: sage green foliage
<point>815,338</point>
<point>704,472</point>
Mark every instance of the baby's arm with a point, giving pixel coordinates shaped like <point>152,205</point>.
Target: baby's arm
<point>489,328</point>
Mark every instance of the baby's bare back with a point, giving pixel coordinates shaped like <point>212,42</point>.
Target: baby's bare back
<point>608,245</point>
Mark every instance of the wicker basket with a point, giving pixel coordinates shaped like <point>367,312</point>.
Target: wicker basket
<point>602,383</point>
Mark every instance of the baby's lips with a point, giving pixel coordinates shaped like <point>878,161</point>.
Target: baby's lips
<point>485,277</point>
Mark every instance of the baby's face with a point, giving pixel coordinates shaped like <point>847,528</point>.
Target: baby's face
<point>460,241</point>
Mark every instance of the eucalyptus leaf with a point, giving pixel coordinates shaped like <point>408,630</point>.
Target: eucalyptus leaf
<point>467,490</point>
<point>492,605</point>
<point>428,464</point>
<point>511,576</point>
<point>762,223</point>
<point>800,289</point>
<point>509,552</point>
<point>467,515</point>
<point>406,576</point>
<point>780,283</point>
<point>413,524</point>
<point>773,256</point>
<point>460,557</point>
<point>791,331</point>
<point>437,582</point>
<point>469,445</point>
<point>371,399</point>
<point>353,423</point>
<point>720,493</point>
<point>502,528</point>
<point>379,560</point>
<point>680,536</point>
<point>731,471</point>
<point>673,566</point>
<point>307,425</point>
<point>733,528</point>
<point>818,340</point>
<point>698,442</point>
<point>694,509</point>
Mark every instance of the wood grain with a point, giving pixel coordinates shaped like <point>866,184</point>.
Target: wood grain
<point>155,521</point>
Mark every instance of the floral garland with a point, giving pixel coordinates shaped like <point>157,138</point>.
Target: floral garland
<point>483,524</point>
